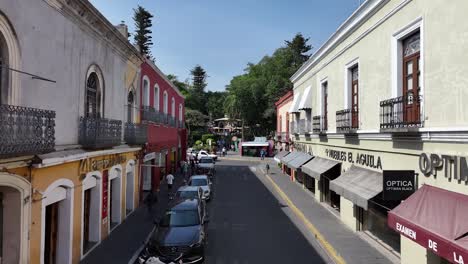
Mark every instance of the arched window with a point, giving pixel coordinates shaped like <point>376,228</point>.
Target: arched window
<point>146,92</point>
<point>180,112</point>
<point>173,107</point>
<point>165,102</point>
<point>156,97</point>
<point>130,106</point>
<point>4,80</point>
<point>93,96</point>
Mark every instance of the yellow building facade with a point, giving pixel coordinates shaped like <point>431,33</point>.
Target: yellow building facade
<point>386,93</point>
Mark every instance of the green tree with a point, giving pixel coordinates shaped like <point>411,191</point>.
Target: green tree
<point>299,47</point>
<point>196,98</point>
<point>143,24</point>
<point>251,96</point>
<point>182,86</point>
<point>215,104</point>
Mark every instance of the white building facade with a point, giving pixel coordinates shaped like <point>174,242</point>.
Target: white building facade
<point>67,79</point>
<point>387,91</point>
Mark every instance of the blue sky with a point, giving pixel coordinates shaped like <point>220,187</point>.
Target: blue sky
<point>223,36</point>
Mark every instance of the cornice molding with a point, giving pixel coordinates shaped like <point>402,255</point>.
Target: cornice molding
<point>85,15</point>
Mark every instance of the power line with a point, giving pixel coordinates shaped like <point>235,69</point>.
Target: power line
<point>34,76</point>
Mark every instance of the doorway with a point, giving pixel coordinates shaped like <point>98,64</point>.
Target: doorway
<point>51,234</point>
<point>130,187</point>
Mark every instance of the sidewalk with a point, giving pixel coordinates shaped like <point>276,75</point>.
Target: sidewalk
<point>130,236</point>
<point>334,236</point>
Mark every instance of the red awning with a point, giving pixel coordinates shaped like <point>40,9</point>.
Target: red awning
<point>436,219</point>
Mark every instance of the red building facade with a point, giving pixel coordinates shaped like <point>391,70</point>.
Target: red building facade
<point>282,122</point>
<point>163,112</point>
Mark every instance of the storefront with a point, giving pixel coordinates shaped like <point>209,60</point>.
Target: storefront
<point>285,159</point>
<point>280,155</point>
<point>296,164</point>
<point>323,171</point>
<point>79,198</point>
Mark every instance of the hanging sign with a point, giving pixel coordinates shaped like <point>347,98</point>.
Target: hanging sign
<point>105,192</point>
<point>149,156</point>
<point>398,184</point>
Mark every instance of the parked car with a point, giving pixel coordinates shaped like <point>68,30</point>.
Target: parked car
<point>202,181</point>
<point>181,233</point>
<point>189,192</point>
<point>204,153</point>
<point>206,165</point>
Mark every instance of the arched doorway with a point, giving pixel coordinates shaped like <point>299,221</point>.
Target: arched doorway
<point>14,218</point>
<point>130,187</point>
<point>91,209</point>
<point>115,196</point>
<point>57,222</point>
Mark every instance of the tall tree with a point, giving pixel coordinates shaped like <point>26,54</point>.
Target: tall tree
<point>299,47</point>
<point>143,24</point>
<point>196,98</point>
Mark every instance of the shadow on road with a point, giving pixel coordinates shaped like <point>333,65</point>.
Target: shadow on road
<point>249,225</point>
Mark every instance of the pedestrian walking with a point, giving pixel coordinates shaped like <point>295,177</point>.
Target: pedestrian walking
<point>170,181</point>
<point>185,170</point>
<point>150,199</point>
<point>224,151</point>
<point>267,167</point>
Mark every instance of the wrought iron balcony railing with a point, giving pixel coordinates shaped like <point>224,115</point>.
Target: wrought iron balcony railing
<point>26,131</point>
<point>97,133</point>
<point>172,121</point>
<point>347,120</point>
<point>401,112</point>
<point>319,124</point>
<point>150,114</point>
<point>136,134</point>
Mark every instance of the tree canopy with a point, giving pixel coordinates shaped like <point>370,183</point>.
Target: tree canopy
<point>251,96</point>
<point>143,24</point>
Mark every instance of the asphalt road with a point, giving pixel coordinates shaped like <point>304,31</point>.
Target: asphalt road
<point>249,225</point>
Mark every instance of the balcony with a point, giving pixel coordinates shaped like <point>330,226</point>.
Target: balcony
<point>347,121</point>
<point>401,114</point>
<point>26,131</point>
<point>171,121</point>
<point>136,134</point>
<point>150,114</point>
<point>319,124</point>
<point>98,133</point>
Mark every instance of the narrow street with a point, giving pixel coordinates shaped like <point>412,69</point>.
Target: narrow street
<point>248,224</point>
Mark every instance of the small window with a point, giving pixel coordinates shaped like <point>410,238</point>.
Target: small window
<point>130,106</point>
<point>173,107</point>
<point>181,114</point>
<point>165,102</point>
<point>156,97</point>
<point>93,96</point>
<point>146,92</point>
<point>4,73</point>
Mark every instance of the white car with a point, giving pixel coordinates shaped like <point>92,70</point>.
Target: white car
<point>206,163</point>
<point>202,181</point>
<point>204,153</point>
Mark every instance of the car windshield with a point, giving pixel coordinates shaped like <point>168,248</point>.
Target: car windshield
<point>180,218</point>
<point>206,161</point>
<point>199,182</point>
<point>187,194</point>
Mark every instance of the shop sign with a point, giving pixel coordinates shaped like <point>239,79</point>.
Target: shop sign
<point>454,167</point>
<point>100,163</point>
<point>440,247</point>
<point>362,159</point>
<point>398,184</point>
<point>149,156</point>
<point>105,192</point>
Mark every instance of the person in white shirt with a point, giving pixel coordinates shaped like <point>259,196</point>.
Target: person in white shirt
<point>170,181</point>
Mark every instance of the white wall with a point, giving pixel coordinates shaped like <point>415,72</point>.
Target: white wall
<point>56,48</point>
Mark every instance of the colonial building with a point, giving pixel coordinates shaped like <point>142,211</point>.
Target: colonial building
<point>71,136</point>
<point>163,112</point>
<point>283,106</point>
<point>385,93</point>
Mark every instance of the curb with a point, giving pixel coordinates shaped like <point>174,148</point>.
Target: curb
<point>320,238</point>
<point>140,249</point>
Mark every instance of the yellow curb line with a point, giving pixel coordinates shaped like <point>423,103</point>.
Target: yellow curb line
<point>324,243</point>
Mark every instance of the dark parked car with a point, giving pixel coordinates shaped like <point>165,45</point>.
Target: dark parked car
<point>189,192</point>
<point>181,233</point>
